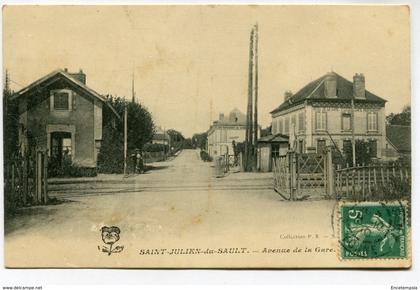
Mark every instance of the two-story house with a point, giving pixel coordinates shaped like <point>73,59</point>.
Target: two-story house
<point>61,115</point>
<point>332,110</point>
<point>161,137</point>
<point>225,130</point>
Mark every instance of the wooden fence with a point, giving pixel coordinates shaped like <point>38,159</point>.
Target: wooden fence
<point>26,180</point>
<point>378,181</point>
<point>282,176</point>
<point>299,176</point>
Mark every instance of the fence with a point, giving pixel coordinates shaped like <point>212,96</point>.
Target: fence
<point>25,180</point>
<point>154,156</point>
<point>300,176</point>
<point>303,176</point>
<point>282,176</point>
<point>379,181</point>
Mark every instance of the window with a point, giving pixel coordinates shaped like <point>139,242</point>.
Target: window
<point>300,147</point>
<point>286,125</point>
<point>321,121</point>
<point>275,150</point>
<point>281,126</point>
<point>347,146</point>
<point>224,135</point>
<point>61,100</point>
<point>373,148</point>
<point>372,121</point>
<point>320,146</point>
<point>346,122</point>
<point>274,129</point>
<point>294,121</point>
<point>301,121</point>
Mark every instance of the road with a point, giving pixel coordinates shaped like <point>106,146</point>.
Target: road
<point>179,204</point>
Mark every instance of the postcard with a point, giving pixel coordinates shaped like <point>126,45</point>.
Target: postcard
<point>207,136</point>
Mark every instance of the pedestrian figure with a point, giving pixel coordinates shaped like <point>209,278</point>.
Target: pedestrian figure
<point>139,162</point>
<point>133,158</point>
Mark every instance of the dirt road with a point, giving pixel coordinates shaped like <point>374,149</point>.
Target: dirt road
<point>178,205</point>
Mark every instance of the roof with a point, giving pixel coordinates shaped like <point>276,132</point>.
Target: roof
<point>235,118</point>
<point>400,137</point>
<point>160,136</point>
<point>277,138</point>
<point>315,91</point>
<point>55,75</point>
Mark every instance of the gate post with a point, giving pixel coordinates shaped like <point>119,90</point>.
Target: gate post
<point>45,177</point>
<point>330,173</point>
<point>25,177</point>
<point>293,181</point>
<point>38,176</point>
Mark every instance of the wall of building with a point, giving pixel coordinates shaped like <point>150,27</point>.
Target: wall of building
<point>310,135</point>
<point>220,139</point>
<point>335,129</point>
<point>81,117</point>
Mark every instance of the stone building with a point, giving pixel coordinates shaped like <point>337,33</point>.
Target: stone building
<point>225,130</point>
<point>321,114</point>
<point>61,115</point>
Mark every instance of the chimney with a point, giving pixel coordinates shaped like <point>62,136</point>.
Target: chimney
<point>80,76</point>
<point>330,85</point>
<point>287,95</point>
<point>221,116</point>
<point>359,90</point>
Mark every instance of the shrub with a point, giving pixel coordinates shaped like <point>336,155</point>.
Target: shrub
<point>68,169</point>
<point>205,156</point>
<point>155,147</point>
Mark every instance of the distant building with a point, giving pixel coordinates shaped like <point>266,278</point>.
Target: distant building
<point>320,114</point>
<point>161,137</point>
<point>225,130</point>
<point>398,142</point>
<point>61,115</point>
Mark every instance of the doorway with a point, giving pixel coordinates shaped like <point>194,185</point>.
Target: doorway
<point>61,147</point>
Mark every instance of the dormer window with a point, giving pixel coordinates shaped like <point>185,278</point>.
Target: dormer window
<point>61,100</point>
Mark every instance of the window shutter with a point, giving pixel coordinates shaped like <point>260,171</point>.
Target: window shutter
<point>367,121</point>
<point>51,101</point>
<point>73,101</point>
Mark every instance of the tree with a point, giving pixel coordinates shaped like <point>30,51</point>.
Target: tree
<point>10,124</point>
<point>364,153</point>
<point>187,144</point>
<point>403,118</point>
<point>140,130</point>
<point>175,136</point>
<point>199,140</point>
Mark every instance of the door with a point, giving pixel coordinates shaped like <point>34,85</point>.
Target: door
<point>61,147</point>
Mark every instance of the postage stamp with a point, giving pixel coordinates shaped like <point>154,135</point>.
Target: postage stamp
<point>373,230</point>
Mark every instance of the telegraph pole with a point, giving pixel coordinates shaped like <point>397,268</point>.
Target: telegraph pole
<point>254,145</point>
<point>125,137</point>
<point>248,133</point>
<point>133,94</point>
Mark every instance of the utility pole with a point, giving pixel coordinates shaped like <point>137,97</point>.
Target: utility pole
<point>125,137</point>
<point>133,94</point>
<point>353,142</point>
<point>248,132</point>
<point>254,146</point>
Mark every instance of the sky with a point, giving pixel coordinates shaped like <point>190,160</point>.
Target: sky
<point>190,63</point>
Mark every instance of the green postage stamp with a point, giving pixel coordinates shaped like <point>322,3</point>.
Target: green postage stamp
<point>373,230</point>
